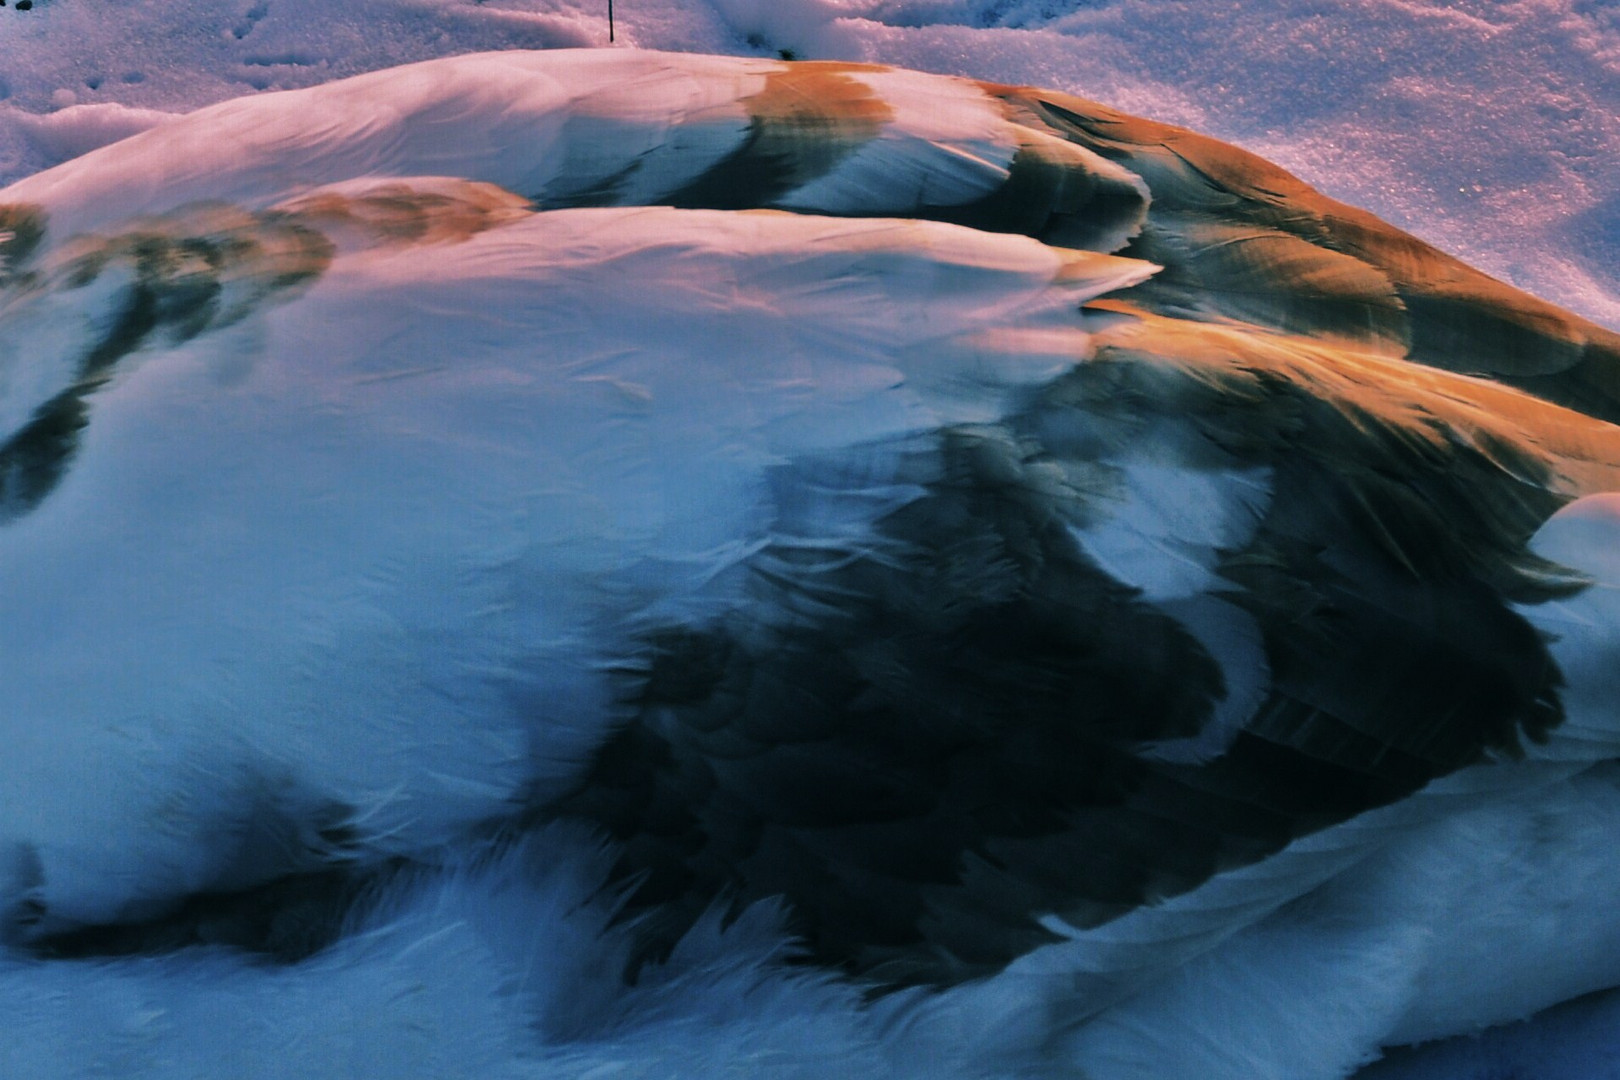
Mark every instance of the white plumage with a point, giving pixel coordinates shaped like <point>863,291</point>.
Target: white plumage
<point>473,531</point>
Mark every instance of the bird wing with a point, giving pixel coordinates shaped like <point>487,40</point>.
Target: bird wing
<point>979,595</point>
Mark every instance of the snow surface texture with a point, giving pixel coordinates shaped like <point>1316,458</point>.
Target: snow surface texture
<point>1489,129</point>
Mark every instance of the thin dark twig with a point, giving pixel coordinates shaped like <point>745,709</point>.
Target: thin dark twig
<point>610,21</point>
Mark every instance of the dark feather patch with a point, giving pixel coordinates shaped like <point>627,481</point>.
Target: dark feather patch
<point>808,118</point>
<point>1455,317</point>
<point>1270,278</point>
<point>187,272</point>
<point>286,920</point>
<point>1061,193</point>
<point>978,680</point>
<point>22,227</point>
<point>942,743</point>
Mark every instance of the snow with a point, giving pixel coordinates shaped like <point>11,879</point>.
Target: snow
<point>1491,129</point>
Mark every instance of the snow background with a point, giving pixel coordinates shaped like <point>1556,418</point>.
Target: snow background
<point>1489,128</point>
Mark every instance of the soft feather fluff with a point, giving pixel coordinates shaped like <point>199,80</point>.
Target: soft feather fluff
<point>530,564</point>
